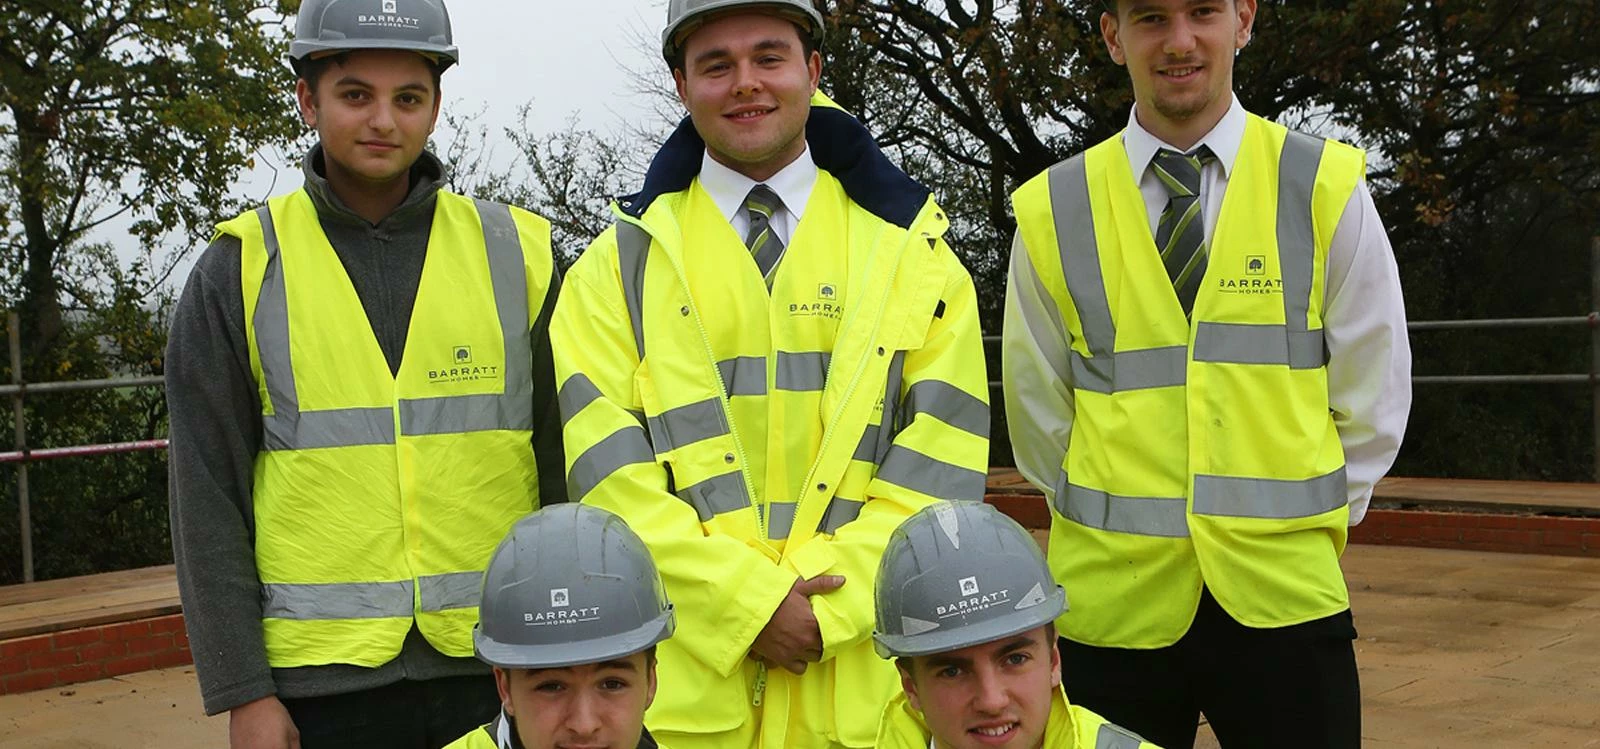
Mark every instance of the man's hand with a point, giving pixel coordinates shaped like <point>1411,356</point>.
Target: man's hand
<point>263,724</point>
<point>792,638</point>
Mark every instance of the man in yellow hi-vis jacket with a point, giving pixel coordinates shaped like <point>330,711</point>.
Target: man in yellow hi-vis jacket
<point>769,361</point>
<point>358,376</point>
<point>1206,371</point>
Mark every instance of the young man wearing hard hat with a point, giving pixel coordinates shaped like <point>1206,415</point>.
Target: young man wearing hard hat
<point>1206,371</point>
<point>769,361</point>
<point>571,614</point>
<point>362,402</point>
<point>966,607</point>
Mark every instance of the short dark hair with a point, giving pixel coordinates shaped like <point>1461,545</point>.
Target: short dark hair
<point>311,69</point>
<point>808,44</point>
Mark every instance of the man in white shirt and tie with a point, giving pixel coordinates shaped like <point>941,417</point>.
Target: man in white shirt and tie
<point>1206,370</point>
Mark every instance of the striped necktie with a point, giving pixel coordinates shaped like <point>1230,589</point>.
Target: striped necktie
<point>1181,235</point>
<point>764,244</point>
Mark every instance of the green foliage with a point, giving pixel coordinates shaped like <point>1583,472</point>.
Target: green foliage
<point>136,113</point>
<point>140,111</point>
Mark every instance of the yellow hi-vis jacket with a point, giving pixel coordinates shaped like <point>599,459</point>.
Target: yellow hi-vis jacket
<point>752,438</point>
<point>1204,451</point>
<point>1069,727</point>
<point>379,497</point>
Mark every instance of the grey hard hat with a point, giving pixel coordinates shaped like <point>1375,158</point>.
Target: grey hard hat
<point>570,584</point>
<point>957,574</point>
<point>684,16</point>
<point>421,26</point>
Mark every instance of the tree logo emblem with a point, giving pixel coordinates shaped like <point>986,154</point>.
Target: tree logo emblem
<point>391,6</point>
<point>969,586</point>
<point>827,292</point>
<point>463,355</point>
<point>1255,265</point>
<point>558,597</point>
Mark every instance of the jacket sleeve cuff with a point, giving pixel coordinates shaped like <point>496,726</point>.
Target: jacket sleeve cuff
<point>764,589</point>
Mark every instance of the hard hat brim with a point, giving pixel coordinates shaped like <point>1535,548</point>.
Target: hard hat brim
<point>941,641</point>
<point>562,655</point>
<point>444,55</point>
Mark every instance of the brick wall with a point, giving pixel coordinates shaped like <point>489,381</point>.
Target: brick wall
<point>1477,531</point>
<point>74,655</point>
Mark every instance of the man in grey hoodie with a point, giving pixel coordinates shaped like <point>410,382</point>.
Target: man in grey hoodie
<point>362,404</point>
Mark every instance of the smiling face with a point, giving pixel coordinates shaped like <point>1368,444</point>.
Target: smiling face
<point>747,82</point>
<point>593,706</point>
<point>373,110</point>
<point>1179,54</point>
<point>997,694</point>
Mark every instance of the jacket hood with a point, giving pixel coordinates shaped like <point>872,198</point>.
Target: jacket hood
<point>839,144</point>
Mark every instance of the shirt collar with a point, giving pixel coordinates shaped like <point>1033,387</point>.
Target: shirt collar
<point>1223,140</point>
<point>729,188</point>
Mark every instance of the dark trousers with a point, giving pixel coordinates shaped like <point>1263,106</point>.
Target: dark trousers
<point>1290,687</point>
<point>403,715</point>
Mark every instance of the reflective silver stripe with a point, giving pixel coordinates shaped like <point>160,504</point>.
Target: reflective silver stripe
<point>949,404</point>
<point>867,448</point>
<point>1243,343</point>
<point>1297,249</point>
<point>780,518</point>
<point>465,413</point>
<point>839,512</point>
<point>1274,499</point>
<point>508,276</point>
<point>337,427</point>
<point>717,495</point>
<point>271,327</point>
<point>576,394</point>
<point>633,245</point>
<point>1069,204</point>
<point>936,478</point>
<point>744,375</point>
<point>1113,737</point>
<point>1132,370</point>
<point>686,425</point>
<point>624,447</point>
<point>454,590</point>
<point>1143,516</point>
<point>307,601</point>
<point>892,419</point>
<point>803,370</point>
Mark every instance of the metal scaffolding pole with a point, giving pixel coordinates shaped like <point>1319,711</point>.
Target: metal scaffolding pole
<point>24,522</point>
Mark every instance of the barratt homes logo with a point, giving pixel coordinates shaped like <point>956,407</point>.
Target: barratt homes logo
<point>1252,280</point>
<point>826,305</point>
<point>972,599</point>
<point>388,17</point>
<point>561,611</point>
<point>461,368</point>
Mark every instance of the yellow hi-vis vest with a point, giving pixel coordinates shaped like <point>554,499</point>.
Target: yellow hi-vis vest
<point>797,429</point>
<point>379,497</point>
<point>1200,453</point>
<point>1068,727</point>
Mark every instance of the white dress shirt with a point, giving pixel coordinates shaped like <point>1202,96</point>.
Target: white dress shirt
<point>1364,327</point>
<point>728,189</point>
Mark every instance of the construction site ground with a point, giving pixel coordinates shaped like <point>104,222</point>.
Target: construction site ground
<point>1457,649</point>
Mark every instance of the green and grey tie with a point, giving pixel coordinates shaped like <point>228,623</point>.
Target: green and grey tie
<point>1181,235</point>
<point>764,244</point>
